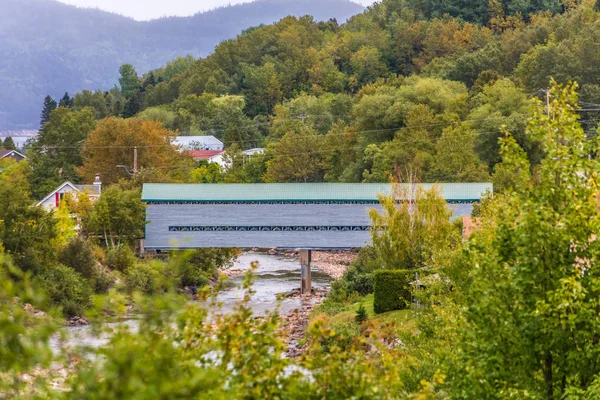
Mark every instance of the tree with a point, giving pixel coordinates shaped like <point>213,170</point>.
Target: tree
<point>113,141</point>
<point>367,65</point>
<point>455,159</point>
<point>55,152</point>
<point>129,80</point>
<point>131,88</point>
<point>414,224</point>
<point>66,101</point>
<point>9,144</point>
<point>530,325</point>
<point>49,106</point>
<point>118,217</point>
<point>501,104</point>
<point>27,232</point>
<point>95,100</point>
<point>297,157</point>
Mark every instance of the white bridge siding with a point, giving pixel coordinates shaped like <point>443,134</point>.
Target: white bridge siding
<point>265,225</point>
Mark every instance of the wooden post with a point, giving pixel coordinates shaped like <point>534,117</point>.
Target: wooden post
<point>306,283</point>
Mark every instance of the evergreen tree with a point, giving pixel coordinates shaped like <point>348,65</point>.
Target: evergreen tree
<point>66,101</point>
<point>9,144</point>
<point>150,80</point>
<point>129,81</point>
<point>49,106</point>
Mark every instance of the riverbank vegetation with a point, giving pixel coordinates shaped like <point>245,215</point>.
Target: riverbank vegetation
<point>87,248</point>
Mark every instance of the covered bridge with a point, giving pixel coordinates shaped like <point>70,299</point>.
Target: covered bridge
<point>304,216</point>
<point>283,215</point>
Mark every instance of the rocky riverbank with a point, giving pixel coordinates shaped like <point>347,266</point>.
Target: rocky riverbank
<point>295,323</point>
<point>333,263</point>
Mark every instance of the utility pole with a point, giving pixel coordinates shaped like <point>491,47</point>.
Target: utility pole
<point>135,168</point>
<point>548,102</point>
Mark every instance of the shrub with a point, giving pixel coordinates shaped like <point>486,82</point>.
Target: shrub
<point>361,315</point>
<point>142,277</point>
<point>150,278</point>
<point>67,289</point>
<point>392,291</point>
<point>120,258</point>
<point>79,255</point>
<point>191,275</point>
<point>197,267</point>
<point>102,280</point>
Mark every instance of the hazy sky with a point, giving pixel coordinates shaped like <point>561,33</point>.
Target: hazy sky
<point>150,9</point>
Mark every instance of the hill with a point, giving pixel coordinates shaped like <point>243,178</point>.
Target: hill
<point>49,47</point>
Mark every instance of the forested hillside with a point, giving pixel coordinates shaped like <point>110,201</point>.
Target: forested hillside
<point>40,55</point>
<point>395,90</point>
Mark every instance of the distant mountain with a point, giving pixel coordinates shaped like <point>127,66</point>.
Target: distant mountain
<point>49,47</point>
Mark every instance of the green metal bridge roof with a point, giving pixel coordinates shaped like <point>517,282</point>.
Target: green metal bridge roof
<point>283,192</point>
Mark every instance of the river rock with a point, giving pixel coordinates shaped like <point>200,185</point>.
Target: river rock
<point>77,321</point>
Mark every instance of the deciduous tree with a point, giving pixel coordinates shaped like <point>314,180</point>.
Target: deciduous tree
<point>113,141</point>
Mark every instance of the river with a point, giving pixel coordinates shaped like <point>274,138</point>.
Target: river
<point>275,275</point>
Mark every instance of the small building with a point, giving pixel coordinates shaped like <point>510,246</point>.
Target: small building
<point>198,143</point>
<point>53,200</point>
<point>12,154</point>
<point>211,156</point>
<point>253,152</point>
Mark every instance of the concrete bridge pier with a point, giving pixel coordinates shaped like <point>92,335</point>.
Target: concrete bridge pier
<point>306,283</point>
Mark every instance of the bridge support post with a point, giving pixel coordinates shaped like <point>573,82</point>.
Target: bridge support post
<point>306,283</point>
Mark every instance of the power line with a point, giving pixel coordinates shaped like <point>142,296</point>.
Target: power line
<point>349,131</point>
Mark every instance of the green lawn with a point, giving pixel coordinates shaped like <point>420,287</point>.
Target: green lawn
<point>399,318</point>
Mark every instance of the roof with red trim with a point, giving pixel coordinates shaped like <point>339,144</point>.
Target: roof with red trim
<point>205,154</point>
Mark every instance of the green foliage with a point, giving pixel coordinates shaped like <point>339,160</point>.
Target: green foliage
<point>208,173</point>
<point>9,144</point>
<point>55,152</point>
<point>198,267</point>
<point>412,227</point>
<point>120,258</point>
<point>26,232</point>
<point>49,106</point>
<point>361,315</point>
<point>295,158</point>
<point>93,100</point>
<point>152,277</point>
<point>118,217</point>
<point>529,324</point>
<point>392,290</point>
<point>78,254</point>
<point>24,338</point>
<point>66,289</point>
<point>455,159</point>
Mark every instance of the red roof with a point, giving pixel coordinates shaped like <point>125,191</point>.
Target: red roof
<point>205,154</point>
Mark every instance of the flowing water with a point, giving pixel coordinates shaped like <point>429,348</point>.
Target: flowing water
<point>275,275</point>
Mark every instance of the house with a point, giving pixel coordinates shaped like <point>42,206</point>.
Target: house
<point>253,152</point>
<point>217,156</point>
<point>212,156</point>
<point>198,143</point>
<point>53,200</point>
<point>12,154</point>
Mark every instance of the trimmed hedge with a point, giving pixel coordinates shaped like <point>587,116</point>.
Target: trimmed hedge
<point>392,290</point>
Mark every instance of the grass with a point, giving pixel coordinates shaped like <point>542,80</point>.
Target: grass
<point>398,318</point>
